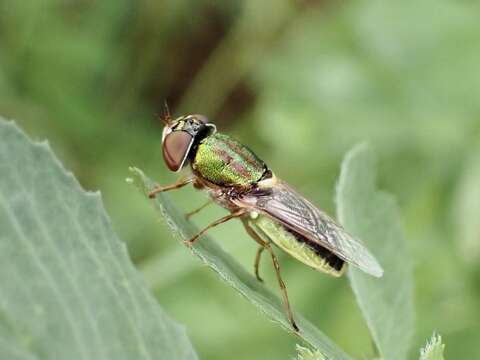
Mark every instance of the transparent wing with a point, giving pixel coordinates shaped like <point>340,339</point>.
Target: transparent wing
<point>284,204</point>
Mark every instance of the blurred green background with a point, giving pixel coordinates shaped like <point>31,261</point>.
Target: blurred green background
<point>301,82</point>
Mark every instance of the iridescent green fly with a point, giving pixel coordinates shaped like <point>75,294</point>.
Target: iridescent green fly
<point>269,209</point>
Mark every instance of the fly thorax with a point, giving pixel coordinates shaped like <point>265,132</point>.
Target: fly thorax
<point>226,162</point>
<point>268,183</point>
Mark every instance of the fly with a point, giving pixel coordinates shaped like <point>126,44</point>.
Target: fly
<point>271,211</point>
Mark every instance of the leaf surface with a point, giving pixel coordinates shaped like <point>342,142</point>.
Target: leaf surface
<point>307,354</point>
<point>68,289</point>
<point>373,216</point>
<point>434,349</point>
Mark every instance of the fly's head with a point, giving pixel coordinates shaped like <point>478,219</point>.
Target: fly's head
<point>179,137</point>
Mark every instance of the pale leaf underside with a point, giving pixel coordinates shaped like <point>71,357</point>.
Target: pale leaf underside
<point>68,289</point>
<point>372,216</point>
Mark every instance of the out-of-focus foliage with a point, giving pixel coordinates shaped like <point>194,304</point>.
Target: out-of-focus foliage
<point>466,209</point>
<point>298,81</point>
<point>386,303</point>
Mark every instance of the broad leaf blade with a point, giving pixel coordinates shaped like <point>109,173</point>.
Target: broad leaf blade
<point>68,289</point>
<point>434,349</point>
<point>233,273</point>
<point>386,303</point>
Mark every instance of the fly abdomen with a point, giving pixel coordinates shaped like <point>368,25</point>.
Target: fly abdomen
<point>303,249</point>
<point>333,260</point>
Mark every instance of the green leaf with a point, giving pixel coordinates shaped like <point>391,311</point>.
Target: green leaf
<point>466,210</point>
<point>68,289</point>
<point>307,354</point>
<point>434,349</point>
<point>233,273</point>
<point>373,216</point>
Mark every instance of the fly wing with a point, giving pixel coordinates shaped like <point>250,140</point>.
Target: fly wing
<point>284,204</point>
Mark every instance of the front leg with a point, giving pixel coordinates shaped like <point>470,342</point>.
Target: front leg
<point>181,182</point>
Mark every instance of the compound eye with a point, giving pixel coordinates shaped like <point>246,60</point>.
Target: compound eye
<point>176,146</point>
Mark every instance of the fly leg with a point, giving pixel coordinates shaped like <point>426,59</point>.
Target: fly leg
<point>257,262</point>
<point>181,182</point>
<point>231,216</point>
<point>196,211</point>
<point>281,283</point>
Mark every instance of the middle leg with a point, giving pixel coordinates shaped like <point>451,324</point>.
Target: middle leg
<point>257,262</point>
<point>196,211</point>
<point>231,216</point>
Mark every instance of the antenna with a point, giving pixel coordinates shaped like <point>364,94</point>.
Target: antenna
<point>167,118</point>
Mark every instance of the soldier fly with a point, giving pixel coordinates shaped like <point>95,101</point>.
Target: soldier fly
<point>269,209</point>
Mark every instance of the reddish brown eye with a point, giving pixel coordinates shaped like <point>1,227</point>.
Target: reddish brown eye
<point>175,149</point>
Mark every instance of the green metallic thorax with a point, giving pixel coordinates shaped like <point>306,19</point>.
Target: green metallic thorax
<point>224,161</point>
